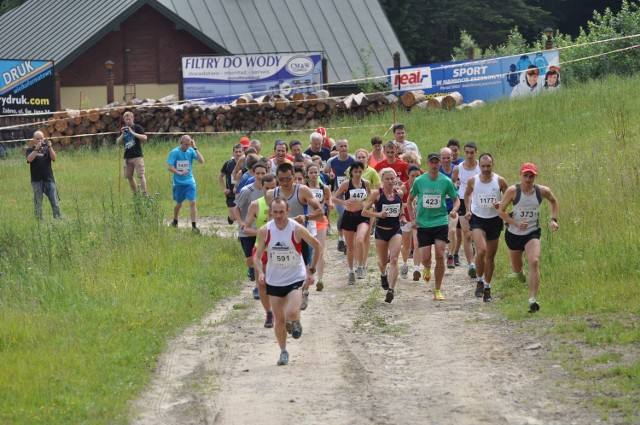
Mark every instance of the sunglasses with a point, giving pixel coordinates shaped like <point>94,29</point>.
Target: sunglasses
<point>532,72</point>
<point>285,179</point>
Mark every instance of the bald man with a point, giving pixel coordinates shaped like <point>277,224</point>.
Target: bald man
<point>39,157</point>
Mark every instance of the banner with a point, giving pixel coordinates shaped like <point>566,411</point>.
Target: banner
<point>218,79</point>
<point>483,79</point>
<point>28,86</point>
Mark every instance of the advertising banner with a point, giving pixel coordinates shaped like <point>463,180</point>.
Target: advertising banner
<point>483,79</point>
<point>221,79</point>
<point>27,87</point>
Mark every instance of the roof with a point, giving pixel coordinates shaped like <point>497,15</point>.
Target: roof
<point>339,28</point>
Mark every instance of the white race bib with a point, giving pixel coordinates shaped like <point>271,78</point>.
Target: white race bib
<point>526,214</point>
<point>486,200</point>
<point>283,258</point>
<point>358,194</point>
<point>431,201</point>
<point>318,194</point>
<point>393,210</point>
<point>340,180</point>
<point>182,165</point>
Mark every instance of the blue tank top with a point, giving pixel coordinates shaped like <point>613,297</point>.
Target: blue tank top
<point>448,201</point>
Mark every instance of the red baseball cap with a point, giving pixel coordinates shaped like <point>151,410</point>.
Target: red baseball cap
<point>245,142</point>
<point>530,167</point>
<point>322,131</point>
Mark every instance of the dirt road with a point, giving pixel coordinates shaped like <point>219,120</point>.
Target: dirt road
<point>362,361</point>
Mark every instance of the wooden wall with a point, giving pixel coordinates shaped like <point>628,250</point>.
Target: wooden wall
<point>155,47</point>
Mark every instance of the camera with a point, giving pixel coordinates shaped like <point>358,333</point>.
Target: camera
<point>125,129</point>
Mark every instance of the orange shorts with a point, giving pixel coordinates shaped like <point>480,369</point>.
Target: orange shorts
<point>323,223</point>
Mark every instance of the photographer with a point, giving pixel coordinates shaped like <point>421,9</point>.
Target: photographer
<point>133,136</point>
<point>39,157</point>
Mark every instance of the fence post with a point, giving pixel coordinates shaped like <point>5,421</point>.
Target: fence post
<point>110,90</point>
<point>396,65</point>
<point>325,72</point>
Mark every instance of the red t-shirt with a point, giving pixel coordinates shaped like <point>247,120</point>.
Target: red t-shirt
<point>399,166</point>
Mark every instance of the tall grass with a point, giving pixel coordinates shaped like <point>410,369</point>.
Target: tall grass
<point>87,303</point>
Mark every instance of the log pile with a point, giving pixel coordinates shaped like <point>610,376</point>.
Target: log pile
<point>247,114</point>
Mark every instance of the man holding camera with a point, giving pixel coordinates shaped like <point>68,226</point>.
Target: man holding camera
<point>39,157</point>
<point>133,136</point>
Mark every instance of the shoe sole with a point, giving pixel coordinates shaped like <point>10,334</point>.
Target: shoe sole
<point>319,286</point>
<point>389,297</point>
<point>296,333</point>
<point>416,276</point>
<point>534,308</point>
<point>472,273</point>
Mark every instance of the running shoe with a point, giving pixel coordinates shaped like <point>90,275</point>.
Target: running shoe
<point>486,295</point>
<point>352,278</point>
<point>427,274</point>
<point>296,329</point>
<point>174,223</point>
<point>251,274</point>
<point>450,263</point>
<point>384,281</point>
<point>319,286</point>
<point>404,270</point>
<point>416,275</point>
<point>389,296</point>
<point>360,272</point>
<point>472,271</point>
<point>437,295</point>
<point>229,220</point>
<point>456,260</point>
<point>268,321</point>
<point>284,358</point>
<point>521,277</point>
<point>305,300</point>
<point>195,230</point>
<point>287,326</point>
<point>533,306</point>
<point>256,293</point>
<point>479,289</point>
<point>342,247</point>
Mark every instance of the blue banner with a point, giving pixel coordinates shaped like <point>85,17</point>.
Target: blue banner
<point>483,79</point>
<point>221,79</point>
<point>28,86</point>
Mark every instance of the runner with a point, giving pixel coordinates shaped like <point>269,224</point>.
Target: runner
<point>323,194</point>
<point>355,226</point>
<point>523,230</point>
<point>409,233</point>
<point>461,175</point>
<point>377,153</point>
<point>398,165</point>
<point>482,198</point>
<point>257,216</point>
<point>285,272</point>
<point>336,168</point>
<point>431,218</point>
<point>388,210</point>
<point>303,206</point>
<point>446,168</point>
<point>227,182</point>
<point>454,145</point>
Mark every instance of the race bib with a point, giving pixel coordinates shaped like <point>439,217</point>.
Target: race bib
<point>393,210</point>
<point>397,183</point>
<point>318,194</point>
<point>358,194</point>
<point>283,258</point>
<point>340,180</point>
<point>431,201</point>
<point>526,214</point>
<point>486,200</point>
<point>182,165</point>
<point>232,180</point>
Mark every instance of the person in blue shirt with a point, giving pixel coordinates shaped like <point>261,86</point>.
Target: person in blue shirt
<point>184,185</point>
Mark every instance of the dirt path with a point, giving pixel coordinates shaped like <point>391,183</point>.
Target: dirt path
<point>360,361</point>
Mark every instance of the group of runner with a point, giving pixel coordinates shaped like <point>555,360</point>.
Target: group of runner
<point>283,218</point>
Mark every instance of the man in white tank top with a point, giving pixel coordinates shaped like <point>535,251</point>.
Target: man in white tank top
<point>482,199</point>
<point>460,176</point>
<point>523,232</point>
<point>285,272</point>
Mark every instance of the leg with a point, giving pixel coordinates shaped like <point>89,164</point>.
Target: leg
<point>362,243</point>
<point>322,238</point>
<point>265,300</point>
<point>278,304</point>
<point>383,255</point>
<point>37,199</point>
<point>192,210</point>
<point>176,210</point>
<point>349,238</point>
<point>516,260</point>
<point>532,248</point>
<point>406,245</point>
<point>128,174</point>
<point>393,247</point>
<point>481,250</point>
<point>440,265</point>
<point>490,259</point>
<point>466,233</point>
<point>141,175</point>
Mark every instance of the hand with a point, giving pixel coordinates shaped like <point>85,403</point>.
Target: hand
<point>261,279</point>
<point>185,172</point>
<point>227,191</point>
<point>310,279</point>
<point>554,225</point>
<point>496,204</point>
<point>300,219</point>
<point>467,216</point>
<point>384,214</point>
<point>523,225</point>
<point>453,214</point>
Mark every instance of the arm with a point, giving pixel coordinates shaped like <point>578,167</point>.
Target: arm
<point>368,203</point>
<point>257,257</point>
<point>327,197</point>
<point>141,137</point>
<point>198,154</point>
<point>252,213</point>
<point>502,183</point>
<point>316,208</point>
<point>549,196</point>
<point>467,197</point>
<point>411,211</point>
<point>341,191</point>
<point>507,199</point>
<point>223,185</point>
<point>454,176</point>
<point>303,234</point>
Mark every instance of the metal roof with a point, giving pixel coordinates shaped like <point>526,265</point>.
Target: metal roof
<point>61,30</point>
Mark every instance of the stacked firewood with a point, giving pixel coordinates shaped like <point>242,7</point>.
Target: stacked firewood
<point>78,128</point>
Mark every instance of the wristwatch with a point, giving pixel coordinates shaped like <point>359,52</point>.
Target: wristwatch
<point>312,270</point>
<point>306,217</point>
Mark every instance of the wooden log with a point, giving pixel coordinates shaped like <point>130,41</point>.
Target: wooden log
<point>94,115</point>
<point>282,103</point>
<point>299,98</point>
<point>419,106</point>
<point>347,102</point>
<point>60,125</point>
<point>452,100</point>
<point>410,98</point>
<point>114,113</point>
<point>434,103</point>
<point>360,99</point>
<point>475,104</point>
<point>390,99</point>
<point>242,101</point>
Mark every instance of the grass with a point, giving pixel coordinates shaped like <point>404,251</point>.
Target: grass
<point>86,304</point>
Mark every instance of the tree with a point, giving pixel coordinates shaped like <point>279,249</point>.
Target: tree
<point>7,5</point>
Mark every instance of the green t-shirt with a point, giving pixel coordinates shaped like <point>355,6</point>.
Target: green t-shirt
<point>430,196</point>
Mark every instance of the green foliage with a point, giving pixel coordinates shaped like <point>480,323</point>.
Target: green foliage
<point>579,63</point>
<point>369,84</point>
<point>7,5</point>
